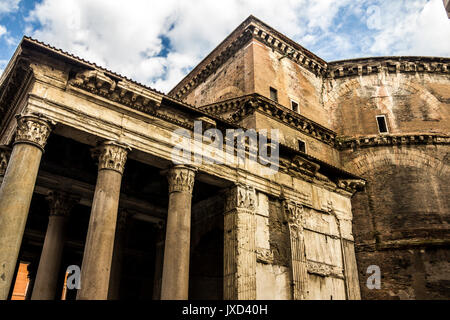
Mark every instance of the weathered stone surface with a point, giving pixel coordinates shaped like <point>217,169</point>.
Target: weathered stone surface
<point>386,194</point>
<point>175,276</point>
<point>16,192</point>
<point>239,244</point>
<point>45,284</point>
<point>98,252</point>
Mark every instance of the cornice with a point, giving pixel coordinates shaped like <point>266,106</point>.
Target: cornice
<point>255,29</point>
<point>12,87</point>
<point>192,80</point>
<point>391,140</point>
<point>132,96</point>
<point>368,66</point>
<point>245,105</point>
<point>290,49</point>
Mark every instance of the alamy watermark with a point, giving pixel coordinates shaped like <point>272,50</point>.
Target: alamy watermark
<point>374,280</point>
<point>237,148</point>
<point>74,277</point>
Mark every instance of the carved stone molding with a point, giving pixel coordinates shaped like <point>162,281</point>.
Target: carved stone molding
<point>241,196</point>
<point>324,270</point>
<point>391,140</point>
<point>111,155</point>
<point>123,92</point>
<point>181,178</point>
<point>5,152</point>
<point>367,66</point>
<point>295,217</point>
<point>61,203</point>
<point>32,129</point>
<point>352,185</point>
<point>207,68</point>
<point>319,269</point>
<point>240,254</point>
<point>264,255</point>
<point>246,105</point>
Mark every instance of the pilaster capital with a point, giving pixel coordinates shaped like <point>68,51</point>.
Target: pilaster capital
<point>111,155</point>
<point>181,178</point>
<point>5,152</point>
<point>294,214</point>
<point>242,197</point>
<point>61,203</point>
<point>33,129</point>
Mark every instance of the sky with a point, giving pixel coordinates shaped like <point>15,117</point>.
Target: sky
<point>157,42</point>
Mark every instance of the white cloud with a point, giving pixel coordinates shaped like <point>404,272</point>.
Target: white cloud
<point>7,6</point>
<point>129,36</point>
<point>412,28</point>
<point>2,30</point>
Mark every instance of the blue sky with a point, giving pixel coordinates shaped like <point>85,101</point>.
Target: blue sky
<point>157,42</point>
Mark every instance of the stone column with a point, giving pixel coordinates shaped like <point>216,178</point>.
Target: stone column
<point>175,278</point>
<point>16,192</point>
<point>116,265</point>
<point>239,244</point>
<point>46,281</point>
<point>299,269</point>
<point>98,251</point>
<point>159,256</point>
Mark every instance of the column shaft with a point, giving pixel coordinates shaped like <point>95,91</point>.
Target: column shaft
<point>239,244</point>
<point>16,192</point>
<point>175,279</point>
<point>116,264</point>
<point>45,285</point>
<point>98,251</point>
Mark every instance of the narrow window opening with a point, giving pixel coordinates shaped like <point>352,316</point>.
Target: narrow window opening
<point>302,146</point>
<point>382,125</point>
<point>273,94</point>
<point>294,106</point>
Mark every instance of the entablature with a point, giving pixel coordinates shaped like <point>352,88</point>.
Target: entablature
<point>344,143</point>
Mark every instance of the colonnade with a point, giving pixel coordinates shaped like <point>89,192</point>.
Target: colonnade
<point>15,198</point>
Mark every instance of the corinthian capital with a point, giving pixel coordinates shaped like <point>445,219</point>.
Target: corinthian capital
<point>4,157</point>
<point>33,129</point>
<point>181,178</point>
<point>60,203</point>
<point>294,214</point>
<point>241,196</point>
<point>111,155</point>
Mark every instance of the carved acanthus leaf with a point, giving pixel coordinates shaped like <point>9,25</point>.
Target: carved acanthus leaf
<point>33,129</point>
<point>181,179</point>
<point>294,214</point>
<point>111,155</point>
<point>241,196</point>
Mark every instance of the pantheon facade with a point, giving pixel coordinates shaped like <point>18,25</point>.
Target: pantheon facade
<point>88,177</point>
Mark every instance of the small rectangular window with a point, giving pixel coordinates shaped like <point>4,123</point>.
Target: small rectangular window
<point>382,125</point>
<point>302,146</point>
<point>273,94</point>
<point>294,106</point>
